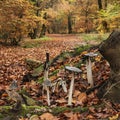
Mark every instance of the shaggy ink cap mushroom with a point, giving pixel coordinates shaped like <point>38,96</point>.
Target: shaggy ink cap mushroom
<point>89,67</point>
<point>73,70</point>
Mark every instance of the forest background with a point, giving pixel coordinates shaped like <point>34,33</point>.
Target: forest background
<point>35,18</point>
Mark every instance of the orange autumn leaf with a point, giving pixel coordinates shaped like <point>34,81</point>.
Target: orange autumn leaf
<point>48,116</point>
<point>71,116</point>
<point>82,98</point>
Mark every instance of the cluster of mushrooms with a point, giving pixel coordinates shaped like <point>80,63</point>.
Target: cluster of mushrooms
<point>47,83</point>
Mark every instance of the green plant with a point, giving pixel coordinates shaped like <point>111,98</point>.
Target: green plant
<point>94,37</point>
<point>45,38</point>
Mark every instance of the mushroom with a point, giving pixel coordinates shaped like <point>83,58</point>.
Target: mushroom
<point>63,83</point>
<point>89,67</point>
<point>73,70</point>
<point>13,85</point>
<point>47,84</point>
<point>59,82</point>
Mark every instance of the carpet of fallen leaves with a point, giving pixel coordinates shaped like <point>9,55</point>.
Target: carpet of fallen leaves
<point>13,67</point>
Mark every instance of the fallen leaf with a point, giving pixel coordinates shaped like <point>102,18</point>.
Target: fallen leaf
<point>2,102</point>
<point>92,109</point>
<point>115,117</point>
<point>71,116</point>
<point>62,100</point>
<point>82,98</point>
<point>90,117</point>
<point>4,95</point>
<point>76,93</point>
<point>48,116</point>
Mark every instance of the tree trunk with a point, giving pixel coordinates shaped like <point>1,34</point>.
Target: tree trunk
<point>106,2</point>
<point>110,49</point>
<point>69,24</point>
<point>43,30</point>
<point>100,4</point>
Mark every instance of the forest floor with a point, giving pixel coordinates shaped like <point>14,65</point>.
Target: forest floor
<point>85,106</point>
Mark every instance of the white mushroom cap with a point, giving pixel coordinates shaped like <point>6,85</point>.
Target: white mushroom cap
<point>73,69</point>
<point>91,54</point>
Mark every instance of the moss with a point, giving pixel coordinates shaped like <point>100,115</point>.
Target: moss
<point>8,112</point>
<point>45,38</point>
<point>94,37</point>
<point>38,71</point>
<point>34,42</point>
<point>58,110</point>
<point>31,44</point>
<point>54,72</point>
<point>38,110</point>
<point>80,49</point>
<point>40,80</point>
<point>29,109</point>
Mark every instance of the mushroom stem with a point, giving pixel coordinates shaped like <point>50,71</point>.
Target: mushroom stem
<point>45,75</point>
<point>71,90</point>
<point>45,78</point>
<point>48,95</point>
<point>89,72</point>
<point>64,86</point>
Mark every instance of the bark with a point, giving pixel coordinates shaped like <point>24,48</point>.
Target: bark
<point>69,24</point>
<point>43,30</point>
<point>110,49</point>
<point>33,34</point>
<point>105,26</point>
<point>106,2</point>
<point>100,4</point>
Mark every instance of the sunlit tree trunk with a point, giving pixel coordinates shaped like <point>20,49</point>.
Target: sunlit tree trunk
<point>110,49</point>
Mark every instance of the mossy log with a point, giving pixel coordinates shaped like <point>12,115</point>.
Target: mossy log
<point>6,112</point>
<point>32,64</point>
<point>110,50</point>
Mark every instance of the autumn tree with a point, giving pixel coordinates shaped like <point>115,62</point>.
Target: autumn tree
<point>42,10</point>
<point>16,21</point>
<point>109,18</point>
<point>87,11</point>
<point>63,22</point>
